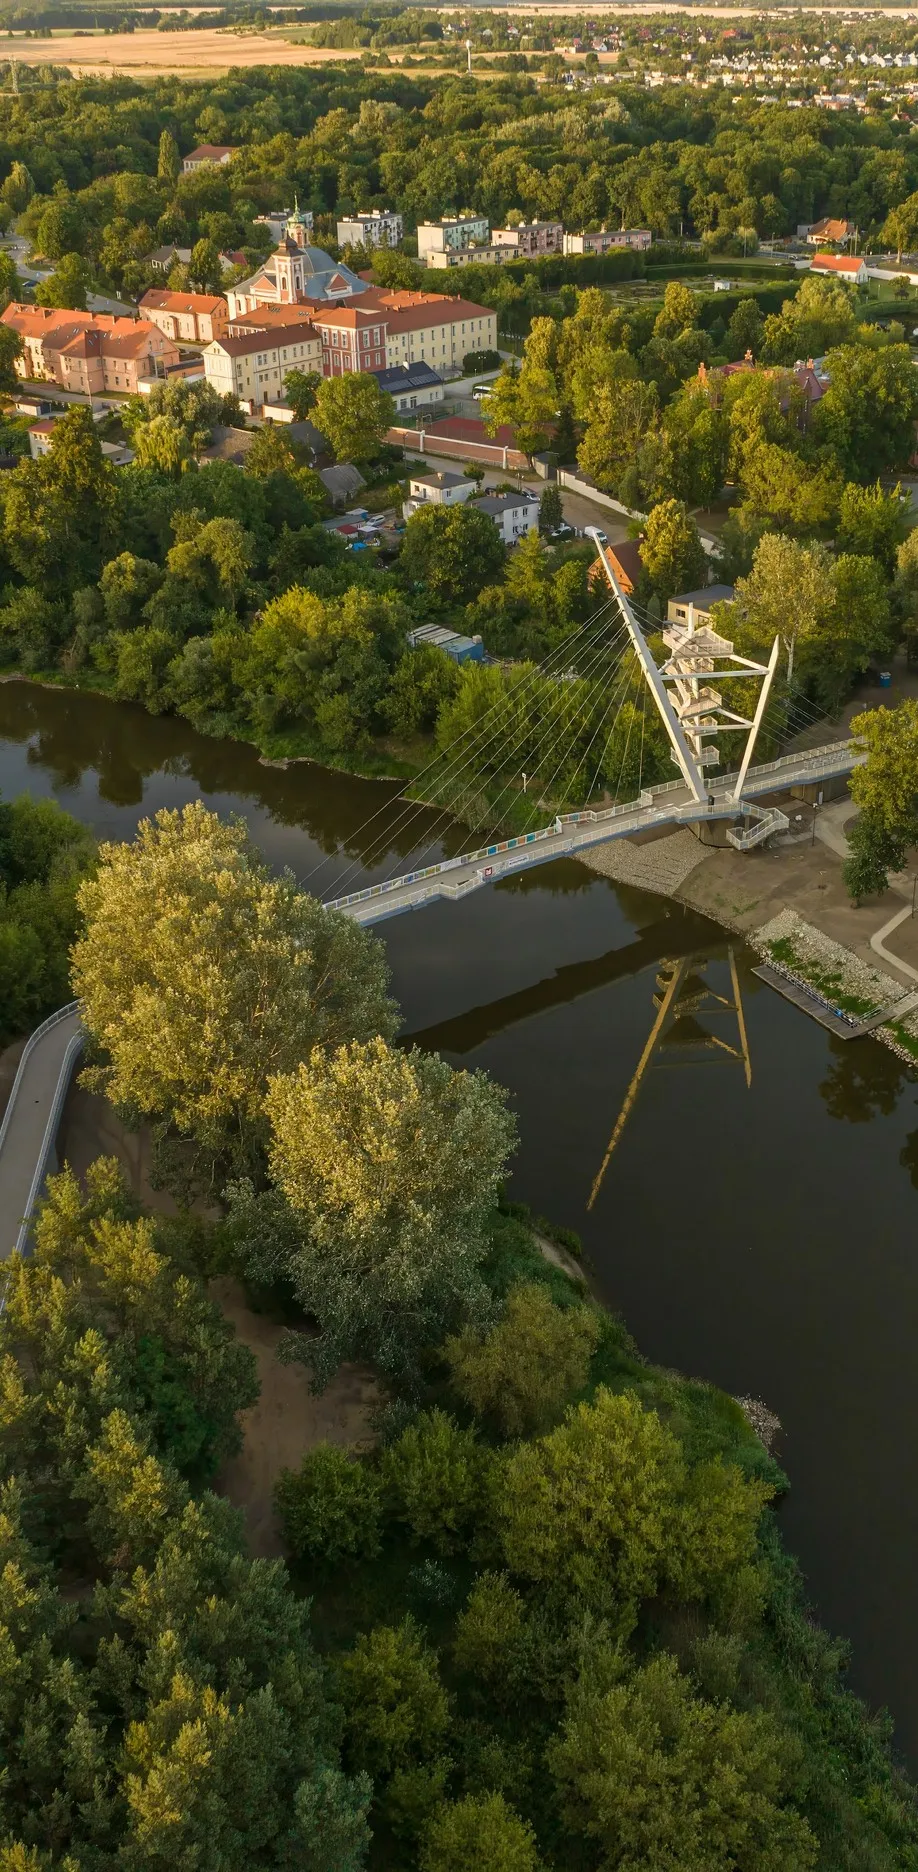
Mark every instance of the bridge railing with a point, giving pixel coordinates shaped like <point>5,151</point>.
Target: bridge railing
<point>785,764</point>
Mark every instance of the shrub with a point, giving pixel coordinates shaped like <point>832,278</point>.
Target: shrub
<point>438,1477</point>
<point>532,1362</point>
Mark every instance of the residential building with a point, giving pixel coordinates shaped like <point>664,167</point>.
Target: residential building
<point>850,267</point>
<point>454,234</point>
<point>41,434</point>
<point>452,643</point>
<point>207,155</point>
<point>829,230</point>
<point>428,328</point>
<point>193,318</point>
<point>699,604</point>
<point>531,238</point>
<point>88,351</point>
<point>470,256</point>
<point>412,386</point>
<point>378,228</point>
<point>163,259</point>
<point>606,239</point>
<point>626,562</point>
<point>341,482</point>
<point>514,515</point>
<point>353,338</point>
<point>440,488</point>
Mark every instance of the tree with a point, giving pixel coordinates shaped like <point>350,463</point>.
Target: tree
<point>353,414</point>
<point>869,409</point>
<point>527,1367</point>
<point>480,1830</point>
<point>551,510</point>
<point>10,350</point>
<point>671,550</point>
<point>438,1478</point>
<point>746,329</point>
<point>300,391</point>
<point>162,444</point>
<point>790,591</point>
<point>525,399</point>
<point>590,1507</point>
<point>62,228</point>
<point>652,1775</point>
<point>205,268</point>
<point>450,552</point>
<point>390,1162</point>
<point>329,1508</point>
<point>168,164</point>
<point>819,316</point>
<point>791,494</point>
<point>422,682</point>
<point>902,226</point>
<point>67,285</point>
<point>324,662</point>
<point>623,416</point>
<point>874,851</point>
<point>873,522</point>
<point>18,188</point>
<point>200,975</point>
<point>677,313</point>
<point>397,1709</point>
<point>886,787</point>
<point>61,511</point>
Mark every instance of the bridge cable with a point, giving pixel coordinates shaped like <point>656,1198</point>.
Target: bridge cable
<point>552,730</point>
<point>620,691</point>
<point>474,758</point>
<point>561,650</point>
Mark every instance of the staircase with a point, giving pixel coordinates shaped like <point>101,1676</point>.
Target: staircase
<point>765,821</point>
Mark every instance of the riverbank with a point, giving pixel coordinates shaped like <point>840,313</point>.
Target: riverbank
<point>749,892</point>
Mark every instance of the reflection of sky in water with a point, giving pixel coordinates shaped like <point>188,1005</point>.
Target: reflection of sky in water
<point>762,1238</point>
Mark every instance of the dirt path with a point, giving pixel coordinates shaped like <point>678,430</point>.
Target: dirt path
<point>287,1419</point>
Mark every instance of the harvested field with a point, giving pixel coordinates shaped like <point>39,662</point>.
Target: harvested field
<point>201,53</point>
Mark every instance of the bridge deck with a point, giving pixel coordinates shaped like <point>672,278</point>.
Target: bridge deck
<point>29,1128</point>
<point>671,804</point>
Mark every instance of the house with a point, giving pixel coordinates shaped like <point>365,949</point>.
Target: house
<point>193,318</point>
<point>514,515</point>
<point>440,488</point>
<point>41,435</point>
<point>379,228</point>
<point>88,351</point>
<point>626,562</point>
<point>412,386</point>
<point>607,239</point>
<point>848,267</point>
<point>828,230</point>
<point>452,643</point>
<point>341,482</point>
<point>699,604</point>
<point>530,238</point>
<point>207,155</point>
<point>163,259</point>
<point>227,444</point>
<point>454,234</point>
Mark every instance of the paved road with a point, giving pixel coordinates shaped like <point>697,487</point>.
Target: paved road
<point>30,1122</point>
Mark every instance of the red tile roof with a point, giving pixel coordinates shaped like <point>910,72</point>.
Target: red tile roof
<point>160,300</point>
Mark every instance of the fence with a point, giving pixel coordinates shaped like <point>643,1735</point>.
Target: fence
<point>427,442</point>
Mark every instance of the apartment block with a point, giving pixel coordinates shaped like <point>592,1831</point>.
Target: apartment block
<point>606,239</point>
<point>530,238</point>
<point>379,228</point>
<point>454,234</point>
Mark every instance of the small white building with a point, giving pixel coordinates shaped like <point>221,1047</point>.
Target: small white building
<point>438,489</point>
<point>514,515</point>
<point>379,228</point>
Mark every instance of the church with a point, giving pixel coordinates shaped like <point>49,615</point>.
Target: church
<point>295,272</point>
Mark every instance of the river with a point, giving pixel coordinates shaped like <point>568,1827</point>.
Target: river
<point>757,1236</point>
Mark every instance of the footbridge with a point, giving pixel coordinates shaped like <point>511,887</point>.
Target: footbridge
<point>686,692</point>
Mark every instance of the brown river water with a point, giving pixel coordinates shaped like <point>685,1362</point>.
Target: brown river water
<point>761,1236</point>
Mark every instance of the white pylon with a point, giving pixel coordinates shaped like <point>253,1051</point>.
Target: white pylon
<point>692,709</point>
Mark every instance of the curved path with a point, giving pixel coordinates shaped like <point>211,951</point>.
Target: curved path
<point>29,1129</point>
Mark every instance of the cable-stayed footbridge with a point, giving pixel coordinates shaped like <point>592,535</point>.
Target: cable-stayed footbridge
<point>686,691</point>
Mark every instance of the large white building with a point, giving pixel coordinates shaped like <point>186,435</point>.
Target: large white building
<point>379,331</point>
<point>378,228</point>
